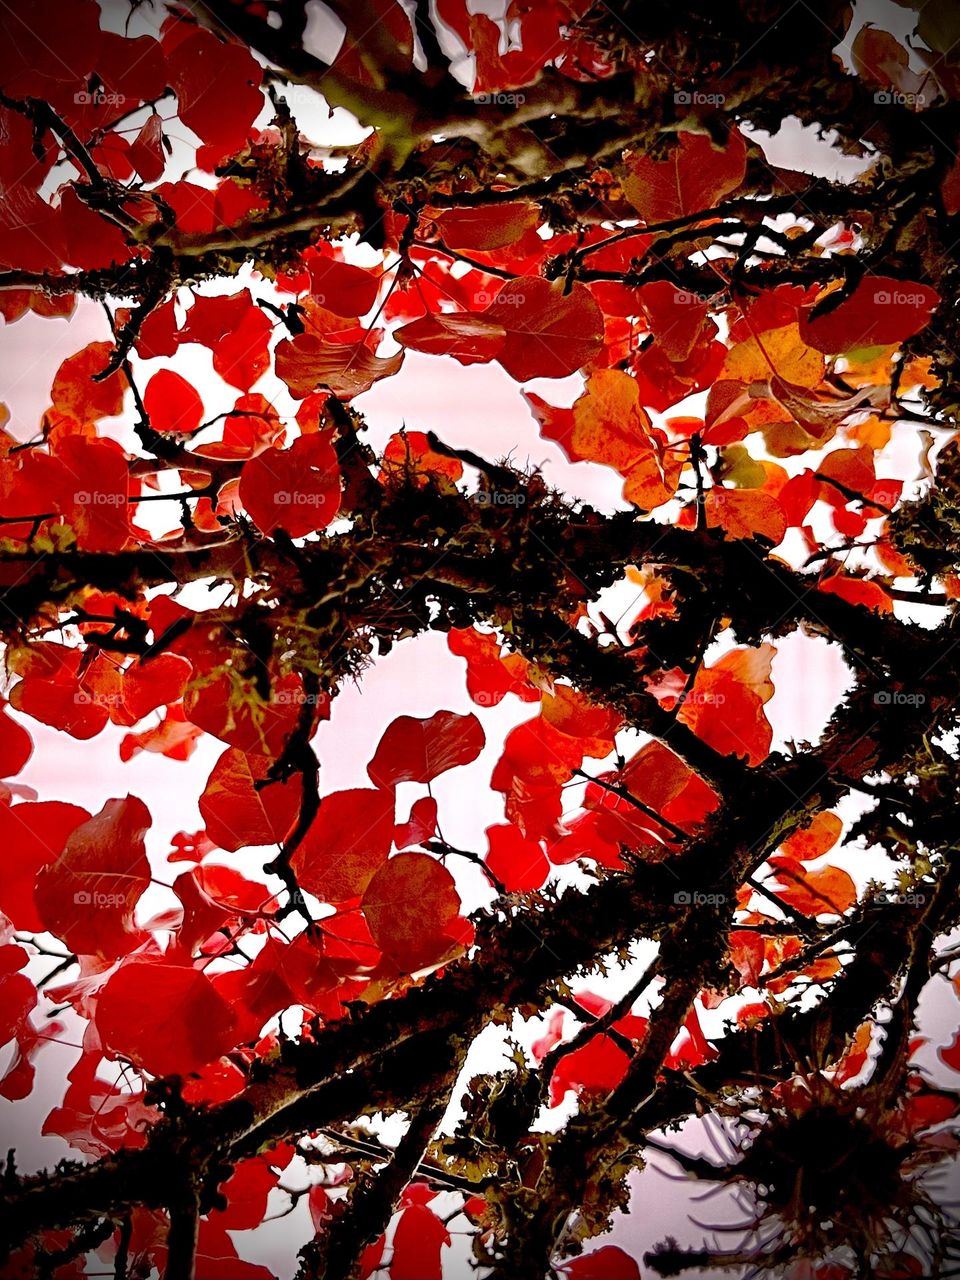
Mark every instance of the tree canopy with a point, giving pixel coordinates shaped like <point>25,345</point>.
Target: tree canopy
<point>697,943</point>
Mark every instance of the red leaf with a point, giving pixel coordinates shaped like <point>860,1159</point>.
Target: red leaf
<point>237,813</point>
<point>608,1263</point>
<point>880,310</point>
<point>16,745</point>
<point>158,334</point>
<point>172,404</point>
<point>418,750</point>
<point>51,692</point>
<point>166,1019</point>
<point>420,826</point>
<point>18,996</point>
<point>242,355</point>
<point>417,1241</point>
<point>408,454</point>
<point>468,337</point>
<point>595,1069</point>
<point>90,241</point>
<point>147,686</point>
<point>251,427</point>
<point>319,1205</point>
<point>694,177</point>
<point>609,425</point>
<point>246,1192</point>
<point>214,897</point>
<point>342,288</point>
<point>487,227</point>
<point>174,738</point>
<point>308,363</point>
<point>520,864</point>
<point>573,714</point>
<point>32,835</point>
<point>675,317</point>
<point>233,711</point>
<point>349,839</point>
<point>217,88</point>
<point>147,154</point>
<point>411,906</point>
<point>88,895</point>
<point>97,505</point>
<point>725,705</point>
<point>951,1054</point>
<point>50,45</point>
<point>490,677</point>
<point>75,392</point>
<point>295,489</point>
<point>549,332</point>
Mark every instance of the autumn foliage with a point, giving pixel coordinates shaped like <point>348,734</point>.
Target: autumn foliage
<point>676,925</point>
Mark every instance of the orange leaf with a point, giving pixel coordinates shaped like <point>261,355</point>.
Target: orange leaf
<point>820,835</point>
<point>745,513</point>
<point>308,363</point>
<point>694,176</point>
<point>858,591</point>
